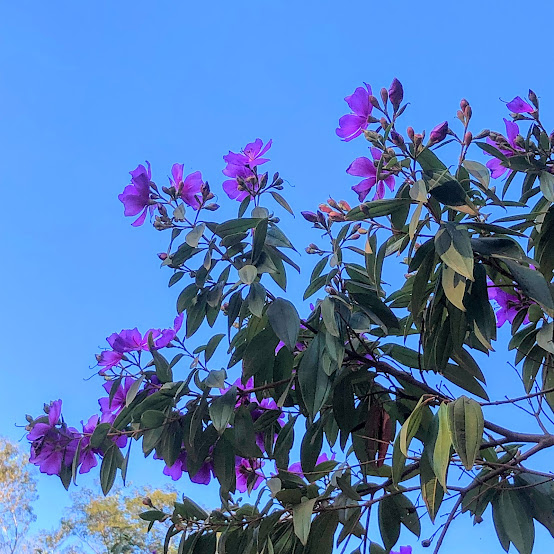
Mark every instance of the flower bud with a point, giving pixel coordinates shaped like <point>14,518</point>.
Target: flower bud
<point>468,137</point>
<point>463,104</point>
<point>396,94</point>
<point>533,98</point>
<point>410,133</point>
<point>468,112</point>
<point>371,119</point>
<point>309,216</point>
<point>211,207</point>
<point>355,236</point>
<point>344,205</point>
<point>147,502</point>
<point>426,543</point>
<point>438,133</point>
<point>384,123</point>
<point>396,138</point>
<point>332,203</point>
<point>460,116</point>
<point>325,208</point>
<point>384,96</point>
<point>483,134</point>
<point>162,256</point>
<point>336,216</point>
<point>373,101</point>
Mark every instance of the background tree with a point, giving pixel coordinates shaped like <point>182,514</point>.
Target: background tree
<point>108,524</point>
<point>381,377</point>
<point>17,493</point>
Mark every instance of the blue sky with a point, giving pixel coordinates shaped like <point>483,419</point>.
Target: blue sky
<point>91,89</point>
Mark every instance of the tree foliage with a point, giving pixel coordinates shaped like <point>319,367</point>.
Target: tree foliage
<point>385,370</point>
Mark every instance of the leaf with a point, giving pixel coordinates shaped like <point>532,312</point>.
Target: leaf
<point>285,321</point>
<point>133,390</point>
<point>377,208</point>
<point>151,419</point>
<point>235,226</point>
<point>163,370</point>
<point>224,464</point>
<point>490,149</point>
<point>213,343</point>
<point>256,299</point>
<point>322,533</point>
<point>431,490</point>
<point>328,314</point>
<point>221,409</point>
<point>245,437</point>
<point>410,428</point>
<point>283,444</point>
<point>248,274</point>
<point>545,337</point>
<point>193,237</point>
<point>280,200</point>
<point>302,518</point>
<point>466,426</point>
<point>546,181</point>
<point>479,171</point>
<point>513,512</point>
<point>453,245</point>
<point>314,382</point>
<point>533,284</point>
<point>539,492</point>
<point>111,461</point>
<point>454,286</point>
<point>389,521</point>
<point>443,444</point>
<point>311,446</point>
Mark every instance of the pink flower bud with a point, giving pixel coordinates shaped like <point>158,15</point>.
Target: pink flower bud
<point>384,96</point>
<point>468,137</point>
<point>410,133</point>
<point>162,256</point>
<point>463,104</point>
<point>373,101</point>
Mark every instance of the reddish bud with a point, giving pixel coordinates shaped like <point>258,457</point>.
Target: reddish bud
<point>397,138</point>
<point>162,256</point>
<point>384,96</point>
<point>468,112</point>
<point>438,133</point>
<point>332,203</point>
<point>410,133</point>
<point>211,207</point>
<point>463,104</point>
<point>373,101</point>
<point>147,502</point>
<point>344,205</point>
<point>384,123</point>
<point>468,137</point>
<point>325,208</point>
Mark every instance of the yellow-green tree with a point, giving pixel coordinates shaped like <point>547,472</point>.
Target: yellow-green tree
<point>17,492</point>
<point>99,524</point>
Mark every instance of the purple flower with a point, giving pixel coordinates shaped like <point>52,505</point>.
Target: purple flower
<point>495,165</point>
<point>352,125</point>
<point>438,133</point>
<point>297,466</point>
<point>364,167</point>
<point>510,304</point>
<point>108,359</point>
<point>243,180</point>
<point>136,197</point>
<point>266,404</point>
<point>403,550</point>
<point>188,188</point>
<point>396,94</point>
<point>243,398</point>
<point>202,476</point>
<point>518,105</point>
<point>87,456</point>
<point>118,401</point>
<point>250,156</point>
<point>249,477</point>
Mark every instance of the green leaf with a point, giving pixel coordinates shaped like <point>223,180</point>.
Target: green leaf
<point>431,490</point>
<point>533,284</point>
<point>410,427</point>
<point>283,444</point>
<point>377,208</point>
<point>546,181</point>
<point>314,382</point>
<point>328,314</point>
<point>285,321</point>
<point>466,426</point>
<point>311,446</point>
<point>222,408</point>
<point>245,436</point>
<point>99,434</point>
<point>111,461</point>
<point>545,337</point>
<point>213,343</point>
<point>322,533</point>
<point>151,419</point>
<point>302,518</point>
<point>490,149</point>
<point>478,171</point>
<point>514,514</point>
<point>443,444</point>
<point>539,492</point>
<point>389,521</point>
<point>256,299</point>
<point>163,370</point>
<point>235,226</point>
<point>454,286</point>
<point>248,274</point>
<point>259,355</point>
<point>453,245</point>
<point>188,509</point>
<point>260,233</point>
<point>224,464</point>
<point>280,200</point>
<point>193,237</point>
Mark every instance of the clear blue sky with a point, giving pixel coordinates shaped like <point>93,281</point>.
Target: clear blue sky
<point>90,89</point>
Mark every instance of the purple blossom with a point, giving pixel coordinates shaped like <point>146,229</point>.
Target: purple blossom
<point>87,456</point>
<point>188,188</point>
<point>108,359</point>
<point>52,446</point>
<point>266,404</point>
<point>518,105</point>
<point>239,168</point>
<point>352,125</point>
<point>396,94</point>
<point>136,196</point>
<point>438,133</point>
<point>202,476</point>
<point>118,401</point>
<point>296,468</point>
<point>248,474</point>
<point>403,550</point>
<point>242,398</point>
<point>250,156</point>
<point>495,165</point>
<point>510,304</point>
<point>364,167</point>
